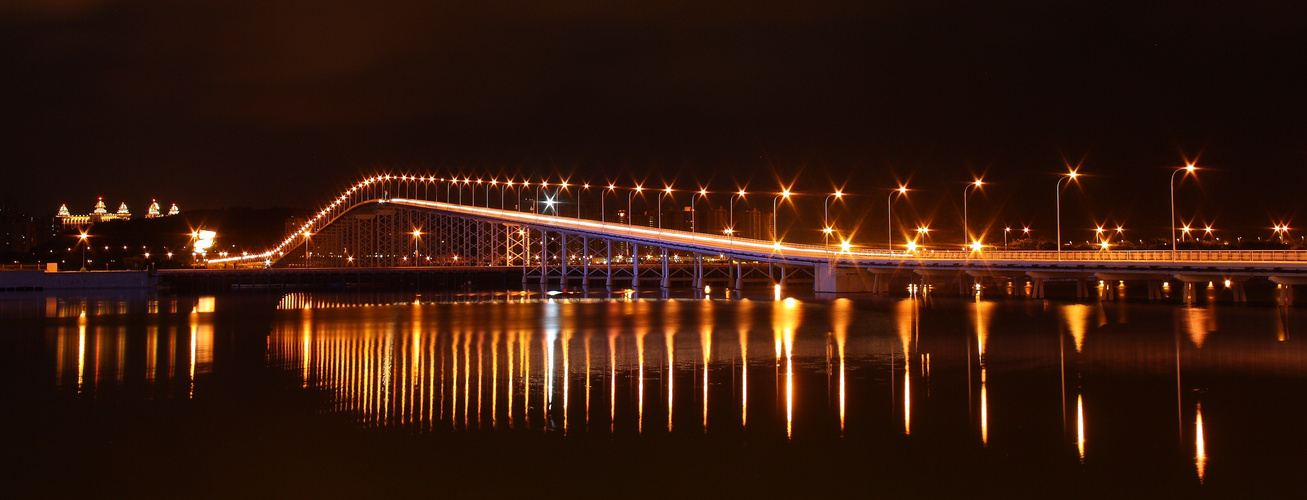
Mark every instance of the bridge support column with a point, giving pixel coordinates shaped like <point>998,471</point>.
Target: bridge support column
<point>698,272</point>
<point>664,280</point>
<point>562,259</point>
<point>585,262</point>
<point>544,258</point>
<point>608,281</point>
<point>1106,292</point>
<point>635,266</point>
<point>739,277</point>
<point>1286,283</point>
<point>783,278</point>
<point>828,278</point>
<point>1154,290</point>
<point>1240,294</point>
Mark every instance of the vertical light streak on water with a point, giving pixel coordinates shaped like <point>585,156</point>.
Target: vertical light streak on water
<point>588,335</point>
<point>670,339</point>
<point>494,380</point>
<point>453,381</point>
<point>429,416</point>
<point>467,376</point>
<point>81,350</point>
<point>306,321</point>
<point>841,316</point>
<point>984,409</point>
<point>567,375</point>
<point>705,339</point>
<point>481,356</point>
<point>1080,426</point>
<point>612,381</point>
<point>525,344</point>
<point>789,383</point>
<point>195,326</point>
<point>639,347</point>
<point>510,354</point>
<point>1200,449</point>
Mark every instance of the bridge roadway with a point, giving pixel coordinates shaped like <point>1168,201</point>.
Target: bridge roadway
<point>858,269</point>
<point>863,270</point>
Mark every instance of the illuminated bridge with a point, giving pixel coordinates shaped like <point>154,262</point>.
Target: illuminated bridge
<point>402,222</point>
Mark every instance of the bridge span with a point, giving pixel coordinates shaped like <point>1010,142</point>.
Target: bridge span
<point>367,227</point>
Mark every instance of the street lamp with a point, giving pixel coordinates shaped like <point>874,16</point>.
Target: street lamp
<point>775,230</point>
<point>668,192</point>
<point>82,241</point>
<point>731,230</point>
<point>966,230</point>
<point>630,215</point>
<point>535,204</point>
<point>825,218</point>
<point>603,202</point>
<point>1187,169</point>
<point>417,234</point>
<point>584,187</point>
<point>306,248</point>
<point>889,216</point>
<point>1006,230</point>
<point>1070,176</point>
<point>694,215</point>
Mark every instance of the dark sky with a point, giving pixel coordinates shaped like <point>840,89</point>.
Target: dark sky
<point>280,103</point>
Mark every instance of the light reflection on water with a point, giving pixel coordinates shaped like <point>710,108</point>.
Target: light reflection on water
<point>605,367</point>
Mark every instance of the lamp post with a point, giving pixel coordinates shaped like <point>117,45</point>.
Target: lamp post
<point>306,249</point>
<point>451,183</point>
<point>525,184</point>
<point>558,194</point>
<point>535,205</point>
<point>630,215</point>
<point>1187,169</point>
<point>1070,176</point>
<point>82,241</point>
<point>603,204</point>
<point>825,217</point>
<point>488,184</point>
<point>667,192</point>
<point>966,229</point>
<point>694,215</point>
<point>731,229</point>
<point>417,234</point>
<point>775,231</point>
<point>584,187</point>
<point>889,216</point>
<point>1006,230</point>
<point>502,187</point>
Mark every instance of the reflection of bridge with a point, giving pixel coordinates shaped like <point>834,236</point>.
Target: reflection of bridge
<point>391,221</point>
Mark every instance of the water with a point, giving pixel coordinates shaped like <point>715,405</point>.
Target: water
<point>391,393</point>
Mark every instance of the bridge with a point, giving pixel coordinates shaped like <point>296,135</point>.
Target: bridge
<point>388,221</point>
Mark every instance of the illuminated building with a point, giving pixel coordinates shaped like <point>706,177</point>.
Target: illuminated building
<point>101,214</point>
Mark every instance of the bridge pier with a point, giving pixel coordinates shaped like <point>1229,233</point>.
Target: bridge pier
<point>635,266</point>
<point>608,280</point>
<point>664,280</point>
<point>585,262</point>
<point>1286,283</point>
<point>562,259</point>
<point>544,258</point>
<point>739,277</point>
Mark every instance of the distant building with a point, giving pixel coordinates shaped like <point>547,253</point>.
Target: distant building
<point>101,214</point>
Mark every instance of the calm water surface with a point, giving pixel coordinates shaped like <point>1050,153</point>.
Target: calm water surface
<point>310,394</point>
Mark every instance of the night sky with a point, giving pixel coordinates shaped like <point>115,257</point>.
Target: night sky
<point>281,103</point>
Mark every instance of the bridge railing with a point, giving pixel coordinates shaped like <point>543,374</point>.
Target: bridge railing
<point>1151,256</point>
